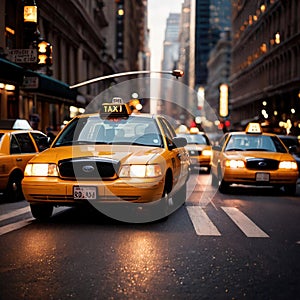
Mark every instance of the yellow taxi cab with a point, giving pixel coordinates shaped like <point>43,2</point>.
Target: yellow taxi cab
<point>253,158</point>
<point>18,144</point>
<point>113,157</point>
<point>199,148</point>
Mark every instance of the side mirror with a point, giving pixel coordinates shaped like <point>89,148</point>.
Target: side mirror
<point>179,142</point>
<point>293,149</point>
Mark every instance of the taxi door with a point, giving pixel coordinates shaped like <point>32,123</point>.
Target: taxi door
<point>179,156</point>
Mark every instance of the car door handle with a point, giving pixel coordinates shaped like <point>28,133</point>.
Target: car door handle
<point>19,159</point>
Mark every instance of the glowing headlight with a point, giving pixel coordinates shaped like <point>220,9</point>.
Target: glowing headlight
<point>234,164</point>
<point>206,152</point>
<point>140,171</point>
<point>41,170</point>
<point>291,165</point>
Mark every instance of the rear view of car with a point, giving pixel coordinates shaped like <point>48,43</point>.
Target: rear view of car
<point>199,148</point>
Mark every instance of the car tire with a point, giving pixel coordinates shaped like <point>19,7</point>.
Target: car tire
<point>167,199</point>
<point>41,212</point>
<point>290,189</point>
<point>223,187</point>
<point>13,192</point>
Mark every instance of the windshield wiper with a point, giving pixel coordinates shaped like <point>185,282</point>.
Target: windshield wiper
<point>258,149</point>
<point>234,149</point>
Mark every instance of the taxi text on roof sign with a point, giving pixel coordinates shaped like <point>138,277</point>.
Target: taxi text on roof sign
<point>254,128</point>
<point>116,109</point>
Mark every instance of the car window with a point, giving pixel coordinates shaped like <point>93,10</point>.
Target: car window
<point>94,130</point>
<point>222,140</point>
<point>41,140</point>
<point>167,128</point>
<point>25,142</point>
<point>254,143</point>
<point>290,141</point>
<point>14,146</point>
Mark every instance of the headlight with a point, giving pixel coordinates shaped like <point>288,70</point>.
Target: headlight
<point>234,164</point>
<point>41,170</point>
<point>206,152</point>
<point>290,165</point>
<point>140,171</point>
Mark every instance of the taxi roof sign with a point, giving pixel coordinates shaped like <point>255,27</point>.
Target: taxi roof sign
<point>254,128</point>
<point>115,110</point>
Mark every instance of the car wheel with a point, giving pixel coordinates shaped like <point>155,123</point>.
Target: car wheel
<point>290,189</point>
<point>13,191</point>
<point>41,212</point>
<point>167,199</point>
<point>223,187</point>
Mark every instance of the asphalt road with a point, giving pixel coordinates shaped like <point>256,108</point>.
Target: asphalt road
<point>243,245</point>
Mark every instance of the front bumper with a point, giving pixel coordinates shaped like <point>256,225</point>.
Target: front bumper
<point>60,192</point>
<point>252,177</point>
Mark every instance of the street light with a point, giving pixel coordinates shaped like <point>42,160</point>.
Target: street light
<point>176,73</point>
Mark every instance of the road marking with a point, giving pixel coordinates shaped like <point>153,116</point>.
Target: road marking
<point>15,213</point>
<point>244,223</point>
<point>15,226</point>
<point>201,222</point>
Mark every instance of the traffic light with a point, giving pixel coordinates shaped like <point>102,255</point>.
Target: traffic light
<point>44,53</point>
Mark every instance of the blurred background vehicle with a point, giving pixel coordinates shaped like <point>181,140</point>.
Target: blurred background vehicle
<point>292,143</point>
<point>199,148</point>
<point>17,147</point>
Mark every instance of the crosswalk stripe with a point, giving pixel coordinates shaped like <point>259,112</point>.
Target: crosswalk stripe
<point>244,223</point>
<point>15,226</point>
<point>14,213</point>
<point>201,222</point>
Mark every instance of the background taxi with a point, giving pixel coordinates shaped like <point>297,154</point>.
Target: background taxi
<point>253,158</point>
<point>114,157</point>
<point>199,148</point>
<point>17,147</point>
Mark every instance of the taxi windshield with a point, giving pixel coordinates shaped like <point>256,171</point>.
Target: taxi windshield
<point>94,130</point>
<point>254,143</point>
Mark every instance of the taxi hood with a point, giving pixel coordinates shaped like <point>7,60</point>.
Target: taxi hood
<point>122,153</point>
<point>257,154</point>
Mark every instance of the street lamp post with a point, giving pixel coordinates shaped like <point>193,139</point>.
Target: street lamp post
<point>176,73</point>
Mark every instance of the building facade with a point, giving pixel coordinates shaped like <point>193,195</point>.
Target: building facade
<point>265,75</point>
<point>84,38</point>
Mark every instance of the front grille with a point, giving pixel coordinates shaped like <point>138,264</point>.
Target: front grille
<point>262,164</point>
<point>89,168</point>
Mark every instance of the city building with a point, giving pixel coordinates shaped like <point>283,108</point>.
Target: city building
<point>218,66</point>
<point>265,75</point>
<point>84,39</point>
<point>210,19</point>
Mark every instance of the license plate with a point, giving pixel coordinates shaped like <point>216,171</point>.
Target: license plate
<point>84,192</point>
<point>262,177</point>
